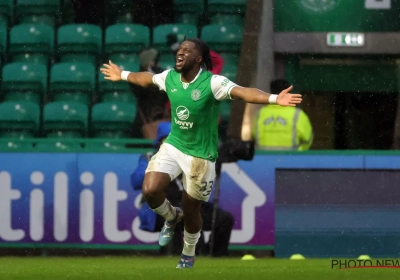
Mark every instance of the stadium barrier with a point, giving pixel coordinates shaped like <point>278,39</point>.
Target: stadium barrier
<point>287,202</point>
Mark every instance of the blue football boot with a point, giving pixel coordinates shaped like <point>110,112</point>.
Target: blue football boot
<point>186,262</point>
<point>168,229</point>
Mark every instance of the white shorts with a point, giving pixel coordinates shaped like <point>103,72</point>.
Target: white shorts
<point>198,174</point>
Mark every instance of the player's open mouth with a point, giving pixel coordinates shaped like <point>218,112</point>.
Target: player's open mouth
<point>179,61</point>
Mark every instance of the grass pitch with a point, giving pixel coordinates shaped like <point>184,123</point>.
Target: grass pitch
<point>117,268</point>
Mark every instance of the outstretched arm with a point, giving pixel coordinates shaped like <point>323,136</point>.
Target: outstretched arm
<point>113,73</point>
<point>253,95</point>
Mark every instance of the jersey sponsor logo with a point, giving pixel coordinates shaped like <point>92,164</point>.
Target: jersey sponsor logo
<point>183,125</point>
<point>196,94</point>
<point>182,112</point>
<point>174,90</point>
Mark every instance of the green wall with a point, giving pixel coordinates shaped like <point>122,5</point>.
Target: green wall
<point>335,15</point>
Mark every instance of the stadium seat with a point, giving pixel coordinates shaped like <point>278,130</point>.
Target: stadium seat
<point>230,58</point>
<point>37,19</point>
<point>32,58</point>
<point>15,145</point>
<point>19,96</point>
<point>112,119</point>
<point>65,119</point>
<point>223,38</point>
<point>189,6</point>
<point>67,12</point>
<point>167,61</point>
<point>167,64</point>
<point>79,43</point>
<point>226,6</point>
<point>72,77</point>
<point>118,11</point>
<point>227,19</point>
<point>37,7</point>
<point>160,33</point>
<point>76,96</point>
<point>109,86</point>
<point>230,71</point>
<point>3,35</point>
<point>7,9</point>
<point>20,76</point>
<point>104,145</point>
<point>19,119</point>
<point>126,38</point>
<point>53,144</point>
<point>123,58</point>
<point>31,38</point>
<point>126,97</point>
<point>187,18</point>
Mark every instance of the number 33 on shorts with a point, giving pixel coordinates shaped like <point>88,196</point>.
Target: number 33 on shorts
<point>206,187</point>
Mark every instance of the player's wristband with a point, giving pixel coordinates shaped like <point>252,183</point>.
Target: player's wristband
<point>124,75</point>
<point>272,98</point>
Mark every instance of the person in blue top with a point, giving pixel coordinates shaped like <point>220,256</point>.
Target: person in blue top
<point>150,221</point>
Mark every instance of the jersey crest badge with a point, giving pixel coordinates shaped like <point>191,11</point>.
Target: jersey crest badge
<point>196,94</point>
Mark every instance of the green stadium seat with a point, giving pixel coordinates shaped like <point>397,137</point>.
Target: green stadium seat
<point>126,97</point>
<point>79,43</point>
<point>18,96</point>
<point>226,6</point>
<point>230,71</point>
<point>65,119</point>
<point>37,7</point>
<point>19,119</point>
<point>20,76</point>
<point>109,86</point>
<point>16,145</point>
<point>38,19</point>
<point>223,19</point>
<point>67,12</point>
<point>106,144</point>
<point>58,145</point>
<point>230,58</point>
<point>32,58</point>
<point>112,119</point>
<point>223,38</point>
<point>187,18</point>
<point>126,38</point>
<point>160,33</point>
<point>189,6</point>
<point>76,96</point>
<point>118,11</point>
<point>72,77</point>
<point>167,64</point>
<point>167,61</point>
<point>3,35</point>
<point>123,58</point>
<point>7,9</point>
<point>79,57</point>
<point>31,38</point>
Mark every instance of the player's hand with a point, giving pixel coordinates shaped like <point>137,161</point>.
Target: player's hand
<point>111,72</point>
<point>288,99</point>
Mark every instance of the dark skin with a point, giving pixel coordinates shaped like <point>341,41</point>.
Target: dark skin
<point>188,63</point>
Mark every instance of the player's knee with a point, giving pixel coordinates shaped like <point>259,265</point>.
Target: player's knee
<point>149,191</point>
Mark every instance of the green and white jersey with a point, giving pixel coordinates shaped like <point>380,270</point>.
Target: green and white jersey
<point>194,111</point>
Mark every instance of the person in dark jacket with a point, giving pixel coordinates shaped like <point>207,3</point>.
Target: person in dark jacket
<point>150,221</point>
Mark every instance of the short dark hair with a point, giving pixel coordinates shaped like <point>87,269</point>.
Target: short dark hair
<point>205,52</point>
